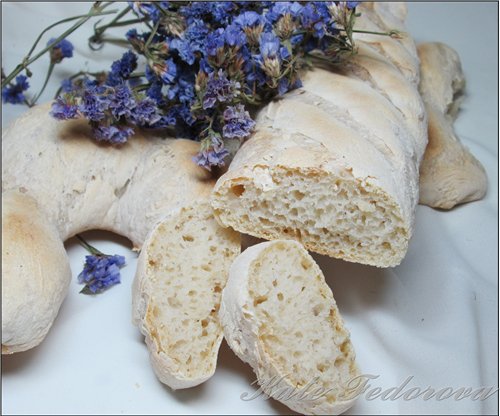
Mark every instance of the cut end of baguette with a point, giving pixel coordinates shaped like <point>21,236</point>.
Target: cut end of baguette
<point>335,215</point>
<point>182,270</point>
<point>279,315</point>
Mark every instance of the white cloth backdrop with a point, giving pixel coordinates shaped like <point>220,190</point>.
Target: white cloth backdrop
<point>434,318</point>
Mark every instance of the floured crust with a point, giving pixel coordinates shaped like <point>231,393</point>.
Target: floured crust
<point>264,328</point>
<point>35,273</point>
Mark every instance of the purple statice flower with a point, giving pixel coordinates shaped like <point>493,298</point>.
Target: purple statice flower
<point>219,11</point>
<point>167,71</point>
<point>155,92</point>
<point>63,110</point>
<point>310,18</point>
<point>184,49</point>
<point>280,8</point>
<point>352,4</point>
<point>93,105</point>
<point>62,49</point>
<point>122,68</point>
<point>182,112</point>
<point>164,121</point>
<point>196,34</point>
<point>237,122</point>
<point>215,41</point>
<point>132,34</point>
<point>183,90</point>
<point>145,113</point>
<point>219,89</point>
<point>13,94</point>
<point>269,45</point>
<point>100,272</point>
<point>121,102</point>
<point>249,19</point>
<point>147,9</point>
<point>222,11</point>
<point>213,154</point>
<point>234,36</point>
<point>66,85</point>
<point>193,41</point>
<point>113,134</point>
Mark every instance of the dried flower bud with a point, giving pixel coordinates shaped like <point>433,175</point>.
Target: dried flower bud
<point>253,34</point>
<point>285,26</point>
<point>201,81</point>
<point>272,67</point>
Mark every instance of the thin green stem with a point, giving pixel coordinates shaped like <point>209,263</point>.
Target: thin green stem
<point>115,41</point>
<point>28,61</point>
<point>129,22</point>
<point>101,29</point>
<point>69,19</point>
<point>49,73</point>
<point>391,33</point>
<point>92,250</point>
<point>152,34</point>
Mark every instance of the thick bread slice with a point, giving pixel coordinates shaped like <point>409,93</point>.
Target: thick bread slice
<point>280,317</point>
<point>181,272</point>
<point>449,174</point>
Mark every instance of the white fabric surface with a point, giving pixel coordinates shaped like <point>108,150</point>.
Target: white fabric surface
<point>435,317</point>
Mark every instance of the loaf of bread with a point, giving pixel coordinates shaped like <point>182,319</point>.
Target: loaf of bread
<point>449,174</point>
<point>177,291</point>
<point>335,163</point>
<point>57,182</point>
<point>279,316</point>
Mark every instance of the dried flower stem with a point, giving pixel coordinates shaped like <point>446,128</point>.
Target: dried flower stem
<point>28,60</point>
<point>91,249</point>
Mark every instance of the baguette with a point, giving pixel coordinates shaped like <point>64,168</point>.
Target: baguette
<point>177,290</point>
<point>334,164</point>
<point>280,317</point>
<point>449,174</point>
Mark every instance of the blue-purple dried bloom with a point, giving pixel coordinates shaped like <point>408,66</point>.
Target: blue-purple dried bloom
<point>215,41</point>
<point>93,105</point>
<point>212,155</point>
<point>122,68</point>
<point>121,102</point>
<point>234,36</point>
<point>249,19</point>
<point>101,272</point>
<point>237,122</point>
<point>13,94</point>
<point>62,49</point>
<point>167,71</point>
<point>66,85</point>
<point>183,90</point>
<point>147,9</point>
<point>113,134</point>
<point>145,113</point>
<point>219,89</point>
<point>269,45</point>
<point>281,8</point>
<point>63,110</point>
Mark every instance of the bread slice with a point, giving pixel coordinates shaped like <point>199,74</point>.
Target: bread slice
<point>280,317</point>
<point>181,272</point>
